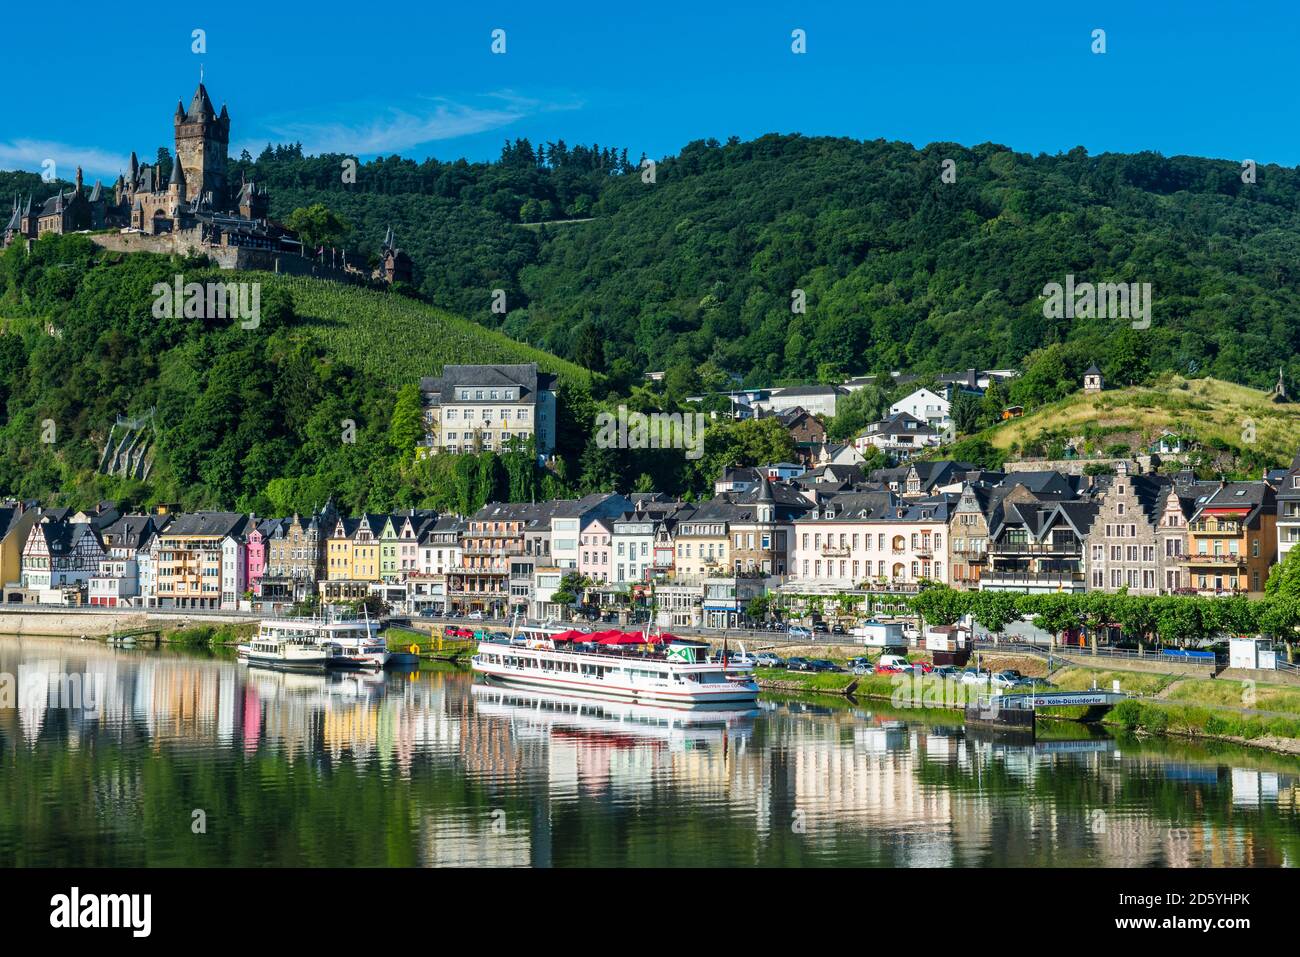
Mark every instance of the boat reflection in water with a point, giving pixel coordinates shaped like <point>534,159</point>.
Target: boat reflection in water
<point>448,771</point>
<point>618,722</point>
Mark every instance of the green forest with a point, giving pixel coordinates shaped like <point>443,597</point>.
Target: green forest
<point>783,259</point>
<point>319,401</point>
<point>899,269</point>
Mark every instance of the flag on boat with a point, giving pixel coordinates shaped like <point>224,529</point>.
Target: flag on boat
<point>683,653</point>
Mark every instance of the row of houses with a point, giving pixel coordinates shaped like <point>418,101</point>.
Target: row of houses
<point>828,529</point>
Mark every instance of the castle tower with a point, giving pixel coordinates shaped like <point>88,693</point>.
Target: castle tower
<point>202,141</point>
<point>176,189</point>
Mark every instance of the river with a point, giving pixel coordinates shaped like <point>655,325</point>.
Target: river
<point>126,757</point>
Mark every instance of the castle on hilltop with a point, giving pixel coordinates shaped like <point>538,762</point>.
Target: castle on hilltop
<point>192,209</point>
<point>192,205</point>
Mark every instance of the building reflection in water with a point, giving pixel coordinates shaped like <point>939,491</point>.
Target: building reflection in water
<point>497,776</point>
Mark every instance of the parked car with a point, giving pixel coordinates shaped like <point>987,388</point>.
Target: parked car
<point>973,677</point>
<point>821,664</point>
<point>820,627</point>
<point>799,631</point>
<point>475,615</point>
<point>892,665</point>
<point>1010,678</point>
<point>859,663</point>
<point>947,672</point>
<point>428,613</point>
<point>798,664</point>
<point>838,629</point>
<point>766,659</point>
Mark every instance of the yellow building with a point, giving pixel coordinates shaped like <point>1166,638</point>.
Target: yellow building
<point>352,550</point>
<point>701,543</point>
<point>1232,539</point>
<point>15,525</point>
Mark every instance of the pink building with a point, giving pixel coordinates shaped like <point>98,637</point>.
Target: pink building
<point>256,554</point>
<point>594,550</point>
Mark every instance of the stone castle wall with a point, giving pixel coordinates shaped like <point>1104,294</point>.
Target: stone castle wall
<point>187,243</point>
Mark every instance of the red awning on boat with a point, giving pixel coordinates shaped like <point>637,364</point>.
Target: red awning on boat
<point>620,638</point>
<point>571,635</point>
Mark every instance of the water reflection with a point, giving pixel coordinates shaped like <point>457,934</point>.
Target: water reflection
<point>431,769</point>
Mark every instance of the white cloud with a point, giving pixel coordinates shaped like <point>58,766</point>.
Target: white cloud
<point>393,129</point>
<point>30,154</point>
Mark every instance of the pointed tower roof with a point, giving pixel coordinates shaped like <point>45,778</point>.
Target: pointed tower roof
<point>201,105</point>
<point>764,489</point>
<point>178,175</point>
<point>97,192</point>
<point>135,165</point>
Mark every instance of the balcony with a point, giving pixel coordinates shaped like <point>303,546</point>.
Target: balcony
<point>495,570</point>
<point>1216,561</point>
<point>1033,581</point>
<point>1216,528</point>
<point>1067,548</point>
<point>492,550</point>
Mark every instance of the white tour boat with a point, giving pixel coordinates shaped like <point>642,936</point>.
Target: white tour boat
<point>676,675</point>
<point>281,653</point>
<point>348,643</point>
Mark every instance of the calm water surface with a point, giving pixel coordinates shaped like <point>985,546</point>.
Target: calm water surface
<point>431,769</point>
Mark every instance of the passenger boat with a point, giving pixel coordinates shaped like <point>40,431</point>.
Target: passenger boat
<point>348,642</point>
<point>282,653</point>
<point>672,672</point>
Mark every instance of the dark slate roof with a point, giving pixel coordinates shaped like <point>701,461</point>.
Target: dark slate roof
<point>201,105</point>
<point>129,531</point>
<point>856,507</point>
<point>61,537</point>
<point>1257,497</point>
<point>1043,483</point>
<point>523,376</point>
<point>900,423</point>
<point>218,524</point>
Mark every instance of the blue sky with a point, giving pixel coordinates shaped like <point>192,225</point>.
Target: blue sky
<point>1209,79</point>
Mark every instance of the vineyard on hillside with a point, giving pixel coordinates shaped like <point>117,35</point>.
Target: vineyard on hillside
<point>398,339</point>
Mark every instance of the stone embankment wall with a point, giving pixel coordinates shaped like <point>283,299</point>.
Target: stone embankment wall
<point>68,623</point>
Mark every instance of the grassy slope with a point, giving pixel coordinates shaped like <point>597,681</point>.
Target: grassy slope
<point>1207,408</point>
<point>399,339</point>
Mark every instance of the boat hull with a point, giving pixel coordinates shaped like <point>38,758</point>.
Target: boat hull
<point>736,694</point>
<point>312,660</point>
<point>358,662</point>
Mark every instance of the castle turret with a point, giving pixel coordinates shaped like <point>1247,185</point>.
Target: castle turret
<point>202,141</point>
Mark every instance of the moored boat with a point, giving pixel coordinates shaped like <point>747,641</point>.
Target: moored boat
<point>671,675</point>
<point>356,643</point>
<point>281,653</point>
